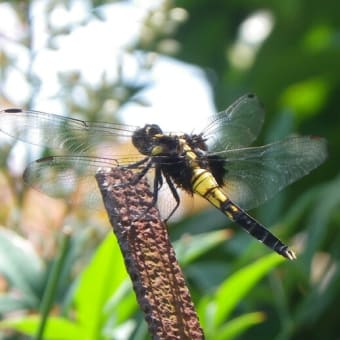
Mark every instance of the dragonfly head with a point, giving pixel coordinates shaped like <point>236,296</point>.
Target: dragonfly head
<point>144,139</point>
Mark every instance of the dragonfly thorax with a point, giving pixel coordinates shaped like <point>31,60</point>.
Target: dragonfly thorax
<point>196,142</point>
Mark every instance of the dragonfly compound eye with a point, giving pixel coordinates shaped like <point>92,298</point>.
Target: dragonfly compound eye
<point>142,138</point>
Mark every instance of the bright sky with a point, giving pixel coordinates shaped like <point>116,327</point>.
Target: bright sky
<point>180,98</point>
<point>179,92</point>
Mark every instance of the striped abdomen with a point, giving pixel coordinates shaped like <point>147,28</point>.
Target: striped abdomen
<point>204,184</point>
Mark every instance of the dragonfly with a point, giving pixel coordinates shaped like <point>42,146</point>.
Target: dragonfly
<point>217,164</point>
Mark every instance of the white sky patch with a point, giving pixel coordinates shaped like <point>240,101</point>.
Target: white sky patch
<point>180,100</point>
<point>9,24</point>
<point>256,28</point>
<point>180,97</point>
<point>252,33</point>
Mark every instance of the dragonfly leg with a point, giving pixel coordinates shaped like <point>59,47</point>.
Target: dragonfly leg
<point>174,194</point>
<point>158,182</point>
<point>136,164</point>
<point>139,175</point>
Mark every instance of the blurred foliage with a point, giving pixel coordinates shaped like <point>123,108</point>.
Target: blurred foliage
<point>103,312</point>
<point>295,70</point>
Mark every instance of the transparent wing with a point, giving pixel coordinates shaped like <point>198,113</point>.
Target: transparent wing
<point>72,178</point>
<point>237,126</point>
<point>65,176</point>
<point>256,174</point>
<point>55,131</point>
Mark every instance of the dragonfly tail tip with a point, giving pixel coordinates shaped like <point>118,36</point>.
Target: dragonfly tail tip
<point>289,254</point>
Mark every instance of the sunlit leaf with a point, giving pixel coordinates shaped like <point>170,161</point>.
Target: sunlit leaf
<point>237,326</point>
<point>101,278</point>
<point>233,289</point>
<point>188,248</point>
<point>20,264</point>
<point>56,328</point>
<point>306,97</point>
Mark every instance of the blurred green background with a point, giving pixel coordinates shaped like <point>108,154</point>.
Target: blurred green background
<point>287,53</point>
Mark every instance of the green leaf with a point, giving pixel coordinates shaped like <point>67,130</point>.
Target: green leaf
<point>234,289</point>
<point>306,97</point>
<point>189,248</point>
<point>103,276</point>
<point>122,303</point>
<point>239,325</point>
<point>20,264</point>
<point>56,328</point>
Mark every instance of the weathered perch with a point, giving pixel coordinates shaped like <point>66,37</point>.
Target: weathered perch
<point>149,257</point>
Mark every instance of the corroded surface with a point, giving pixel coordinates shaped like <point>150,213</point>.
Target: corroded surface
<point>150,259</point>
